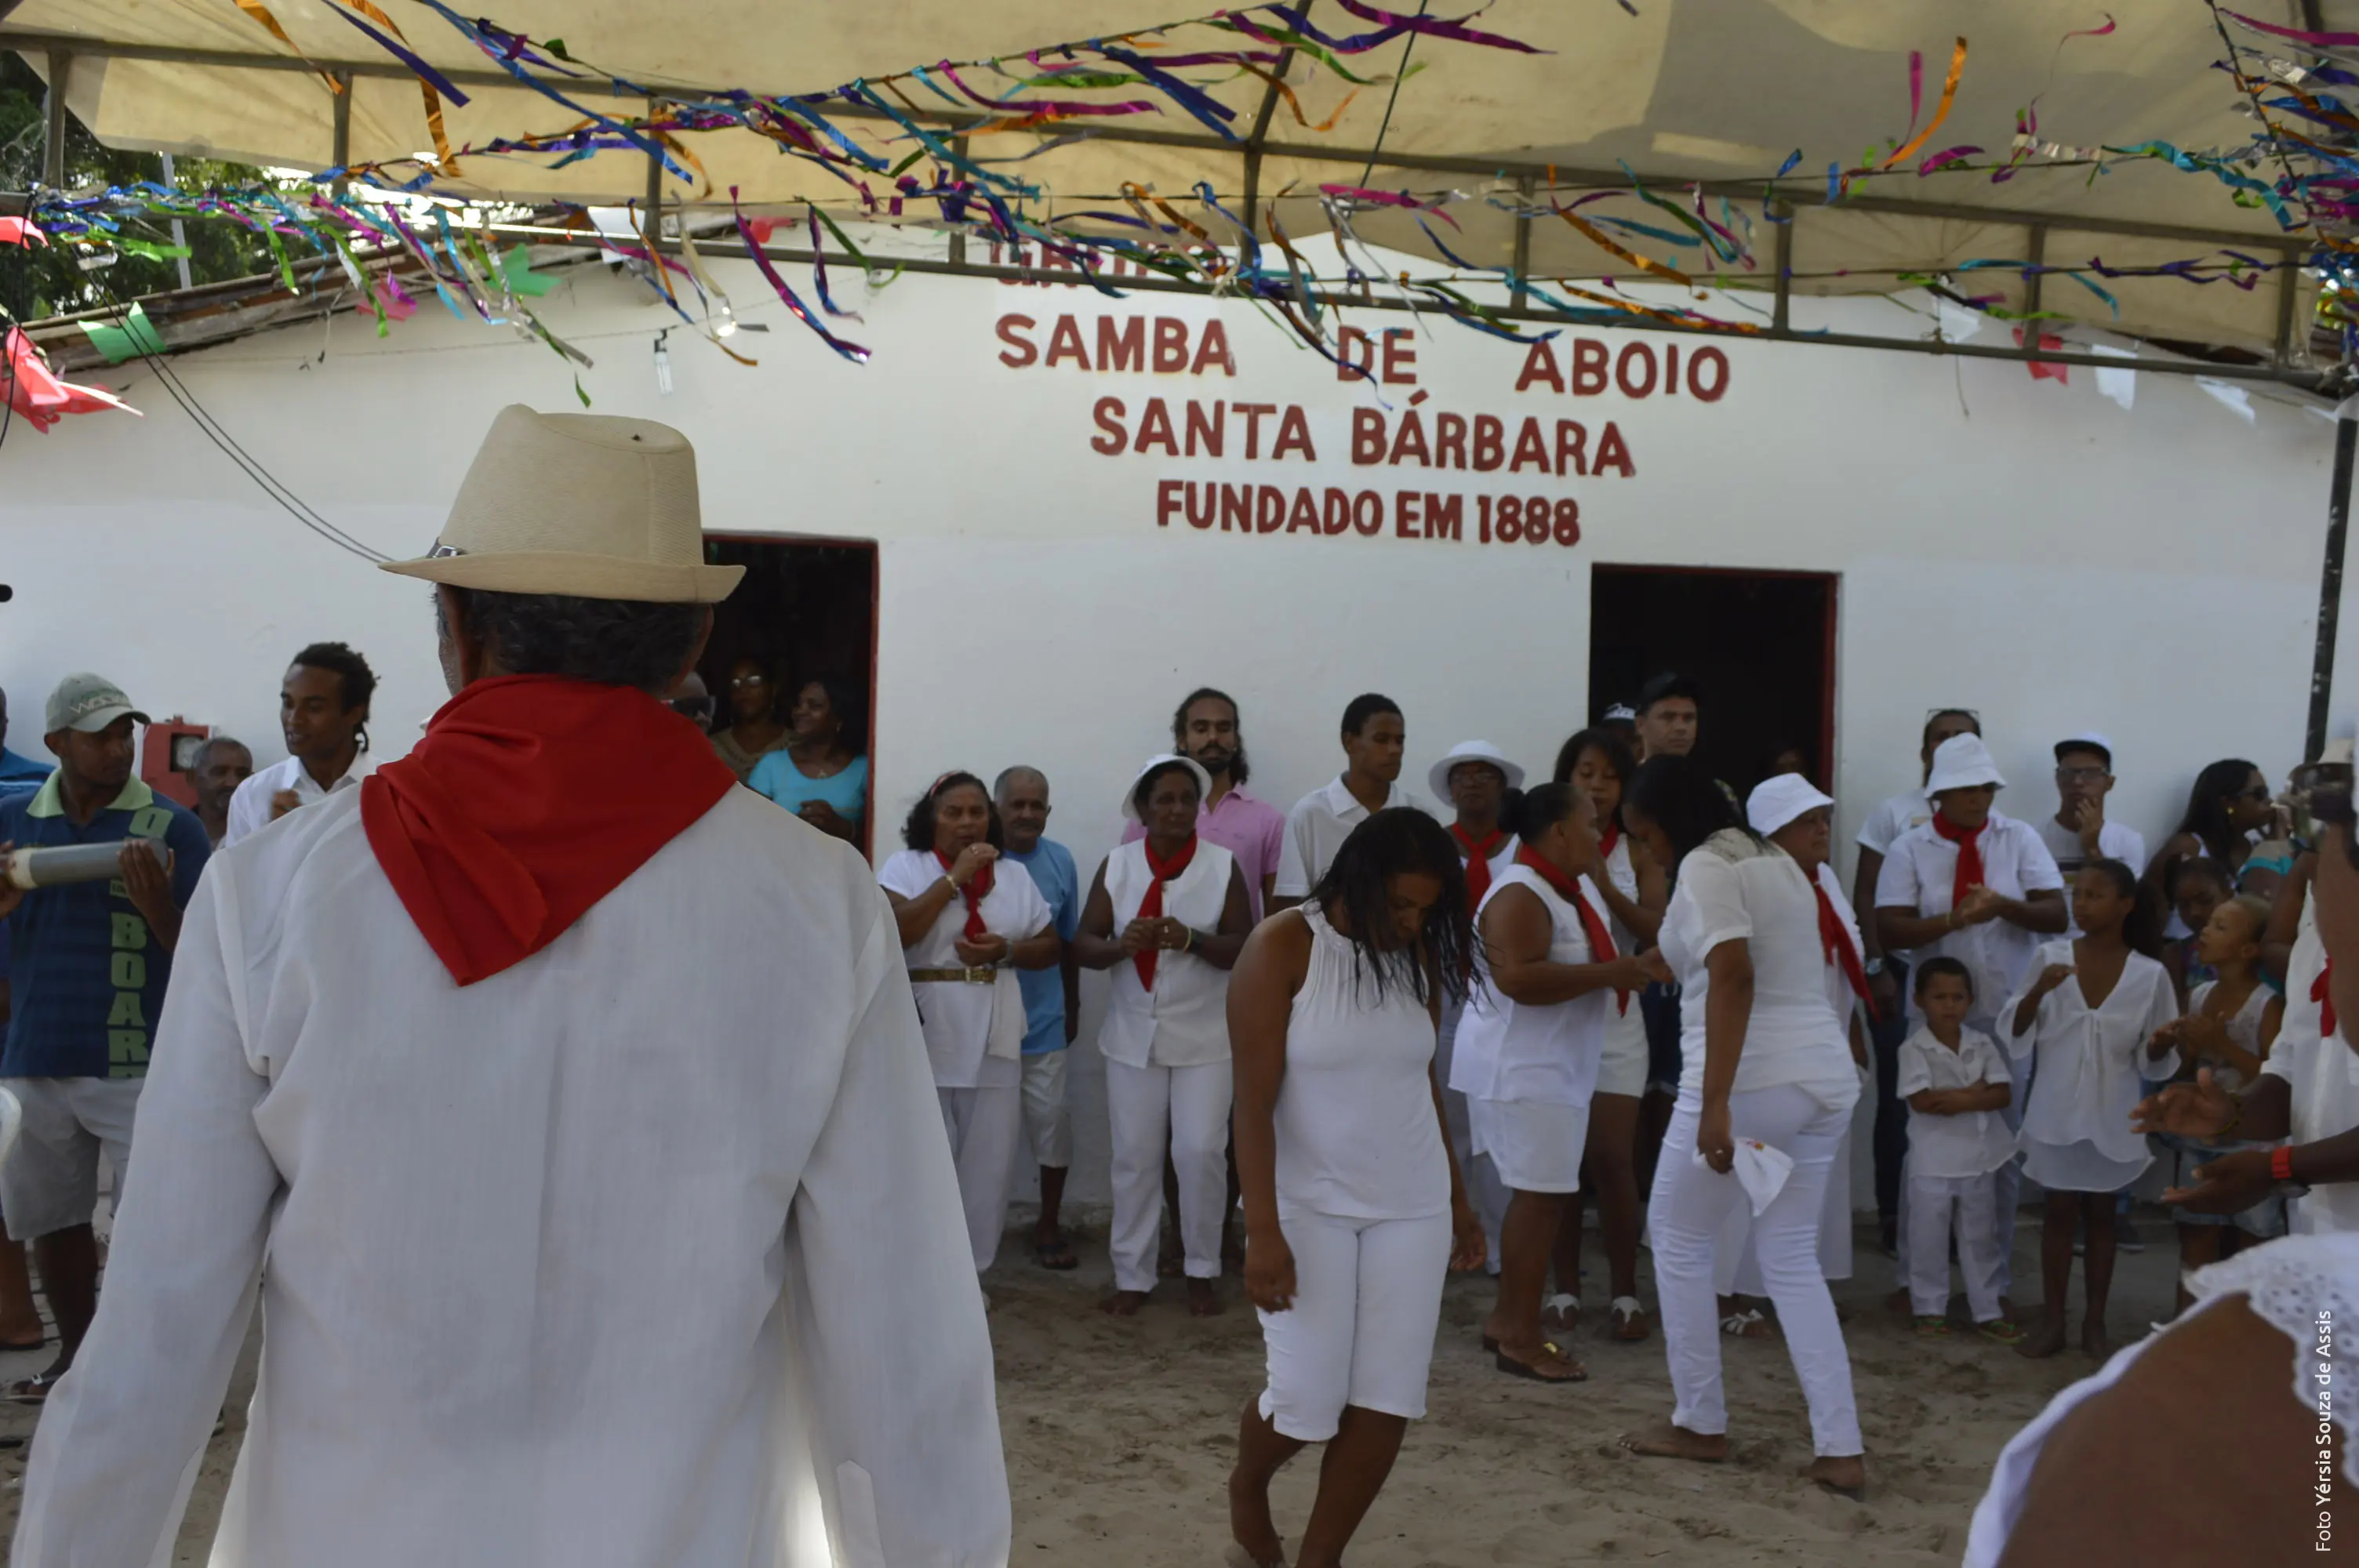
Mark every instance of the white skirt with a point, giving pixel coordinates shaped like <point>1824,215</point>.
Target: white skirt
<point>2080,1167</point>
<point>1622,1070</point>
<point>1535,1146</point>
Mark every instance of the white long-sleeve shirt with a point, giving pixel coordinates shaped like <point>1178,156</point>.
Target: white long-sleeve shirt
<point>645,1251</point>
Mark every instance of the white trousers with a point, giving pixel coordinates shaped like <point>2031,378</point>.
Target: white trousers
<point>1689,1210</point>
<point>1934,1202</point>
<point>986,1131</point>
<point>1187,1109</point>
<point>1736,1267</point>
<point>2005,1199</point>
<point>1367,1300</point>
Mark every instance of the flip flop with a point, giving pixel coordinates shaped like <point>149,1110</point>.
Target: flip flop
<point>1748,1325</point>
<point>1560,1312</point>
<point>1629,1317</point>
<point>1515,1368</point>
<point>33,1391</point>
<point>1057,1255</point>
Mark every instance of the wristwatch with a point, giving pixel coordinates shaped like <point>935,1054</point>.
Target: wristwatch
<point>1874,967</point>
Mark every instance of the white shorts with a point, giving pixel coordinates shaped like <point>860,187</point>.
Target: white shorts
<point>1367,1300</point>
<point>50,1179</point>
<point>1047,1121</point>
<point>1622,1070</point>
<point>2079,1167</point>
<point>1535,1146</point>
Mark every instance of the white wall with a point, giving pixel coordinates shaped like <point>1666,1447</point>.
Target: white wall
<point>2027,549</point>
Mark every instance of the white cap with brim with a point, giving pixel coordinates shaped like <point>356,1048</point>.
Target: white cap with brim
<point>2086,741</point>
<point>588,505</point>
<point>1962,761</point>
<point>1438,776</point>
<point>1777,801</point>
<point>1620,713</point>
<point>88,703</point>
<point>1165,760</point>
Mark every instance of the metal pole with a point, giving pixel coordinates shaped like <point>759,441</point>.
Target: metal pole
<point>2329,584</point>
<point>179,230</point>
<point>53,144</point>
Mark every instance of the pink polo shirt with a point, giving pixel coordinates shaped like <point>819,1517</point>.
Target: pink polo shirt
<point>1246,826</point>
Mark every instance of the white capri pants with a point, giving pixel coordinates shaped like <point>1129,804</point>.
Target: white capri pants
<point>1048,1121</point>
<point>1367,1300</point>
<point>1687,1215</point>
<point>1187,1109</point>
<point>986,1131</point>
<point>1931,1201</point>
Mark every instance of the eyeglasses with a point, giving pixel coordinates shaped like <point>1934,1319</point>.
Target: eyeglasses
<point>2083,776</point>
<point>739,682</point>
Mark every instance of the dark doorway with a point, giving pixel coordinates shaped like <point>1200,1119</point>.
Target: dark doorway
<point>807,609</point>
<point>1761,644</point>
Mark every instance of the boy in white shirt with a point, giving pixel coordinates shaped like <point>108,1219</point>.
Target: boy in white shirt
<point>1957,1084</point>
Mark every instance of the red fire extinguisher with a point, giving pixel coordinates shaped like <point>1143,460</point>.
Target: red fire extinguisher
<point>167,753</point>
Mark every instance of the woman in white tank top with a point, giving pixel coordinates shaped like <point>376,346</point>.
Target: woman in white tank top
<point>1167,914</point>
<point>1354,1207</point>
<point>1635,891</point>
<point>1528,1049</point>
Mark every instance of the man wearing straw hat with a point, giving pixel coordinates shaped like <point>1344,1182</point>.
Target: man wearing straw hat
<point>568,1262</point>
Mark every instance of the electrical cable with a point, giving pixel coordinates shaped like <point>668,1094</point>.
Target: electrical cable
<point>214,431</point>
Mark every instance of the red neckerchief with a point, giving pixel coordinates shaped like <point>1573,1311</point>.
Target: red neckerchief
<point>1478,863</point>
<point>1970,855</point>
<point>1600,940</point>
<point>1160,871</point>
<point>1607,838</point>
<point>2324,998</point>
<point>1835,942</point>
<point>508,819</point>
<point>977,889</point>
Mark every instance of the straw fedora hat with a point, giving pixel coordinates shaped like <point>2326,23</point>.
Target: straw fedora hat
<point>584,505</point>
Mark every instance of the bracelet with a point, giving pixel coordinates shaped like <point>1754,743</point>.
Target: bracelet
<point>2281,1163</point>
<point>2236,1116</point>
<point>1186,939</point>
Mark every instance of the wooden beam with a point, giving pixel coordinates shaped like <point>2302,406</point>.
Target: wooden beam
<point>54,116</point>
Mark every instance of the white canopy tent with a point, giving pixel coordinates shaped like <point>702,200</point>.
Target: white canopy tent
<point>1698,103</point>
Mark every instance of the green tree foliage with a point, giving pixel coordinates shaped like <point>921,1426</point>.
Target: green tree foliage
<point>36,282</point>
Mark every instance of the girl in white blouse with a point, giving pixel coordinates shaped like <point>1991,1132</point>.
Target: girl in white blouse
<point>2092,1019</point>
<point>967,922</point>
<point>1528,1052</point>
<point>1354,1207</point>
<point>1167,914</point>
<point>1765,1064</point>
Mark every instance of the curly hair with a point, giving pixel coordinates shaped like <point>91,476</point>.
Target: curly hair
<point>918,828</point>
<point>355,679</point>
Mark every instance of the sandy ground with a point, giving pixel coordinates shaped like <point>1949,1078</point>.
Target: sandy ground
<point>1120,1434</point>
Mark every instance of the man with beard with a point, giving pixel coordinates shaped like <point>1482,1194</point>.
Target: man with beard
<point>1205,731</point>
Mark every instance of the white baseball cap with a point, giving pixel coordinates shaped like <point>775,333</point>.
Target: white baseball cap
<point>1165,760</point>
<point>2087,741</point>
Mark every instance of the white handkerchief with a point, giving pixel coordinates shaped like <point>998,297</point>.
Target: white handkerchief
<point>1761,1170</point>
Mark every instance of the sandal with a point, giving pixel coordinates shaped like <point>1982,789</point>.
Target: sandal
<point>1560,1313</point>
<point>1630,1323</point>
<point>1058,1255</point>
<point>1932,1327</point>
<point>2000,1331</point>
<point>1748,1325</point>
<point>1515,1368</point>
<point>34,1391</point>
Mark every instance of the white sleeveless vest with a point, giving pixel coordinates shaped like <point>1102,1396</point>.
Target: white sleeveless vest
<point>1184,1022</point>
<point>1508,1051</point>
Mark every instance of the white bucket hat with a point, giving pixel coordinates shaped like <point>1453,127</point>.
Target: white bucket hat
<point>1776,802</point>
<point>1962,761</point>
<point>585,504</point>
<point>1438,776</point>
<point>1165,760</point>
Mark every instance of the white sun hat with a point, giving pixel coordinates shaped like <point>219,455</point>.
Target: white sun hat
<point>1777,800</point>
<point>1438,776</point>
<point>1165,760</point>
<point>1962,761</point>
<point>584,505</point>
